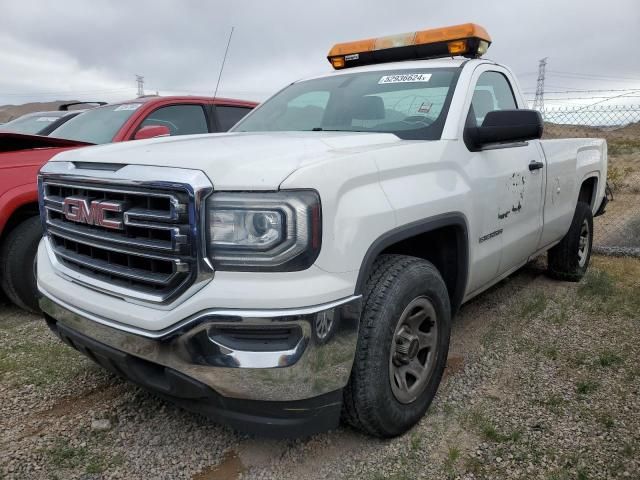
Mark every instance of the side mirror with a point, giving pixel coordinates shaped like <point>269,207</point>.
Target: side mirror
<point>152,131</point>
<point>505,126</point>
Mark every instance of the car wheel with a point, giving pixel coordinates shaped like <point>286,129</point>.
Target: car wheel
<point>402,347</point>
<point>17,264</point>
<point>569,259</point>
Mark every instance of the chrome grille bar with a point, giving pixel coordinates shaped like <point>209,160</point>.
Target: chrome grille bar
<point>151,247</point>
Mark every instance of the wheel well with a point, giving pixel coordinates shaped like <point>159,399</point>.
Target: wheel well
<point>19,215</point>
<point>442,241</point>
<point>588,191</point>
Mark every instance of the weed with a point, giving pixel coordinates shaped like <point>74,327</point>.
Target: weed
<point>450,463</point>
<point>579,359</point>
<point>585,387</point>
<point>553,402</point>
<point>533,305</point>
<point>490,432</point>
<point>28,362</point>
<point>596,283</point>
<point>622,147</point>
<point>416,441</point>
<point>551,353</point>
<point>63,455</point>
<point>453,455</point>
<point>609,359</point>
<point>606,421</point>
<point>473,465</point>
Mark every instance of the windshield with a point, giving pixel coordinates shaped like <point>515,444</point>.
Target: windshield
<point>32,124</point>
<point>409,103</point>
<point>98,125</point>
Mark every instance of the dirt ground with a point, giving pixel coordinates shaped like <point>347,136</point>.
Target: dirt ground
<point>542,382</point>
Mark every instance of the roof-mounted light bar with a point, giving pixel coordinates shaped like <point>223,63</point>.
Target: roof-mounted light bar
<point>469,40</point>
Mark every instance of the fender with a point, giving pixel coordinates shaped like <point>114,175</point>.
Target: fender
<point>403,232</point>
<point>13,199</point>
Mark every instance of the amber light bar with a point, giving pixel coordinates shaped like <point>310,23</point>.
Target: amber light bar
<point>468,39</point>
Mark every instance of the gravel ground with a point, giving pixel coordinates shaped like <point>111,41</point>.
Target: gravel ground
<point>542,382</point>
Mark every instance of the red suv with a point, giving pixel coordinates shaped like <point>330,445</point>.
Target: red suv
<point>21,156</point>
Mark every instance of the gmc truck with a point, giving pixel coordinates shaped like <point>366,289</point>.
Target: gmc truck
<point>21,156</point>
<point>305,266</point>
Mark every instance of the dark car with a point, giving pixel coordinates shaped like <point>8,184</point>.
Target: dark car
<point>43,123</point>
<point>38,123</point>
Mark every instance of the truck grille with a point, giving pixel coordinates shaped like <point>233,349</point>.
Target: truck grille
<point>142,242</point>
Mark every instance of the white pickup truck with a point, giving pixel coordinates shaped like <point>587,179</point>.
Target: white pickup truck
<point>305,267</point>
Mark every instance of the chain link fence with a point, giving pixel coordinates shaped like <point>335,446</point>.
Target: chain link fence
<point>617,232</point>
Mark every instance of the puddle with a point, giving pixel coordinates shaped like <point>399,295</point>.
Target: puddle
<point>229,468</point>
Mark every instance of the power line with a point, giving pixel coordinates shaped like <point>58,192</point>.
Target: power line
<point>603,101</point>
<point>593,76</point>
<point>601,90</point>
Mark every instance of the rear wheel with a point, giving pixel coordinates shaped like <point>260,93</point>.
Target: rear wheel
<point>402,346</point>
<point>18,264</point>
<point>569,259</point>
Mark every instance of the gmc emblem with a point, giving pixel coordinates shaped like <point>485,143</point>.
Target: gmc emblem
<point>92,212</point>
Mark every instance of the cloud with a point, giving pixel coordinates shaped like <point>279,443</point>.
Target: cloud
<point>97,47</point>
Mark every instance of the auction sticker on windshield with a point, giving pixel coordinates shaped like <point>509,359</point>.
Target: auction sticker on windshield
<point>405,78</point>
<point>127,106</point>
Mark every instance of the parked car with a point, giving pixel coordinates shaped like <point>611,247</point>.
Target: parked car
<point>38,123</point>
<point>43,123</point>
<point>307,264</point>
<point>21,156</point>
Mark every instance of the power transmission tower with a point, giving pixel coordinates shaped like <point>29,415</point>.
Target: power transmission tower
<point>140,82</point>
<point>538,102</point>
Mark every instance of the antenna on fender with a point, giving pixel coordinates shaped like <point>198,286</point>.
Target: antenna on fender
<point>224,59</point>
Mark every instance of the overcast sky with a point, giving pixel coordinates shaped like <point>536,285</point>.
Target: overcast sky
<point>93,49</point>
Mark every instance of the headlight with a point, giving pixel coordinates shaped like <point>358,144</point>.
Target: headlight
<point>277,231</point>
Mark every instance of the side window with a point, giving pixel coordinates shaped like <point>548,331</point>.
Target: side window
<point>181,119</point>
<point>229,116</point>
<point>492,92</point>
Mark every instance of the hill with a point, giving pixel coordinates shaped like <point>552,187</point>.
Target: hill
<point>9,112</point>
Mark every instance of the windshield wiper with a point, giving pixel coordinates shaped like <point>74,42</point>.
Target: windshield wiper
<point>320,129</point>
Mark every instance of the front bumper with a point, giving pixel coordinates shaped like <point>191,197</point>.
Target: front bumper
<point>290,382</point>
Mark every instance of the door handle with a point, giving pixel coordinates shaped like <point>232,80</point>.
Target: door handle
<point>535,165</point>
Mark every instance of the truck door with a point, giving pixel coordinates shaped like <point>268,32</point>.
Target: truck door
<point>181,119</point>
<point>512,216</point>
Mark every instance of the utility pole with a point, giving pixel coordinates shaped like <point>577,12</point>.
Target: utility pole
<point>140,82</point>
<point>538,102</point>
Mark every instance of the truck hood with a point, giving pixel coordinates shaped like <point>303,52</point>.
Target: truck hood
<point>236,161</point>
<point>11,142</point>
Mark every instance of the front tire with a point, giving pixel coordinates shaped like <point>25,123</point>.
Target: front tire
<point>17,264</point>
<point>569,259</point>
<point>402,346</point>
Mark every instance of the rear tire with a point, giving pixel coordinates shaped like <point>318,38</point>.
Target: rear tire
<point>569,259</point>
<point>402,348</point>
<point>17,264</point>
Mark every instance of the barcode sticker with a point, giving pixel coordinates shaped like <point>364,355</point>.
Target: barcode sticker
<point>405,78</point>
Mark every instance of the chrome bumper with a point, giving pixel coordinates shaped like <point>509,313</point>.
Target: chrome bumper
<point>318,362</point>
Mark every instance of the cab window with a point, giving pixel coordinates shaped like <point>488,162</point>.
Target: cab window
<point>492,92</point>
<point>180,119</point>
<point>229,116</point>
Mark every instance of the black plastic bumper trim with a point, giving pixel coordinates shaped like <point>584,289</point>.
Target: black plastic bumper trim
<point>264,418</point>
